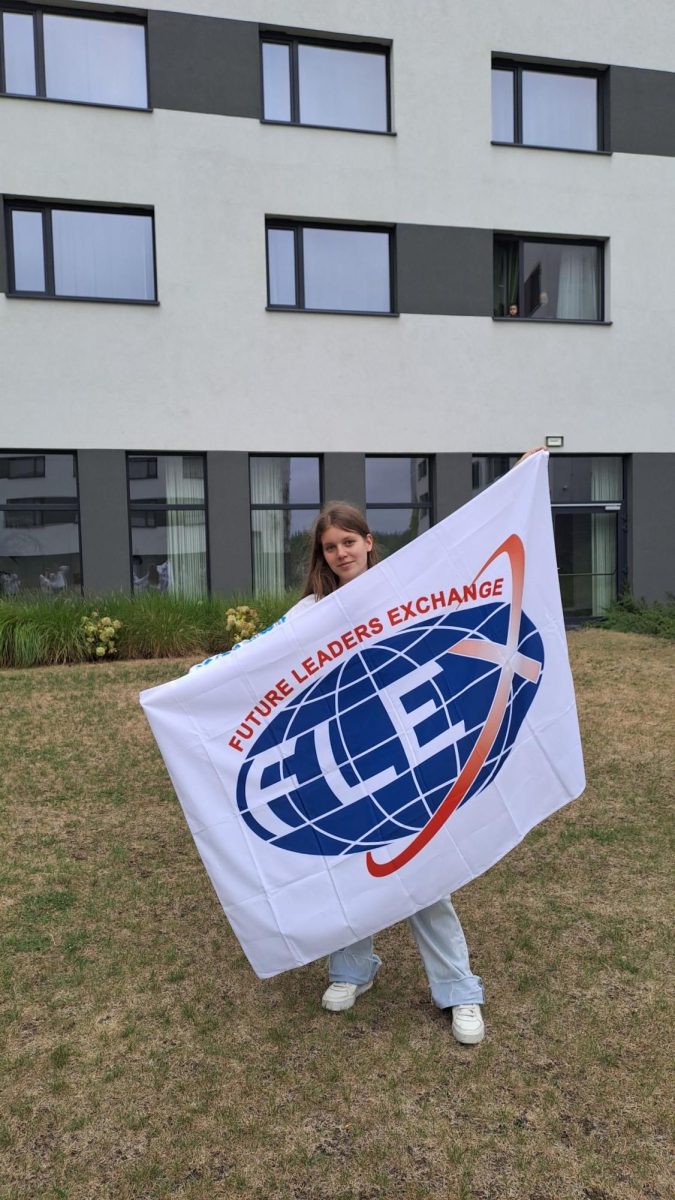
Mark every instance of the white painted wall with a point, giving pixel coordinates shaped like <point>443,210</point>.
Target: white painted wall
<point>211,369</point>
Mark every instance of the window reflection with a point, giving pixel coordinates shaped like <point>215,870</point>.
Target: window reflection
<point>560,110</point>
<point>167,515</point>
<point>95,61</point>
<point>106,255</point>
<point>342,87</point>
<point>398,496</point>
<point>19,53</point>
<point>39,524</point>
<point>285,499</point>
<point>346,269</point>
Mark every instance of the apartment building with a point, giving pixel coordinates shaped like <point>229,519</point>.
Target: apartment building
<point>257,254</point>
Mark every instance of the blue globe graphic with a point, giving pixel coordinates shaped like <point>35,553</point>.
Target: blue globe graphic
<point>365,755</point>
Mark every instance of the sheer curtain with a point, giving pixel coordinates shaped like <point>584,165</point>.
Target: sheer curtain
<point>606,485</point>
<point>186,532</point>
<point>578,284</point>
<point>269,486</point>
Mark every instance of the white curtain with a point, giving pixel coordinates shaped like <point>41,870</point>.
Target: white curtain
<point>269,486</point>
<point>578,284</point>
<point>186,531</point>
<point>606,485</point>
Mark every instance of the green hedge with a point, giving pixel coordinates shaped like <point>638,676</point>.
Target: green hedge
<point>636,616</point>
<point>39,630</point>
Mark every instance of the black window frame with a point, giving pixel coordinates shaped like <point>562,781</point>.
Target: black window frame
<point>150,505</point>
<point>520,239</point>
<point>46,207</point>
<point>296,227</point>
<point>115,17</point>
<point>517,66</point>
<point>37,507</point>
<point>359,46</point>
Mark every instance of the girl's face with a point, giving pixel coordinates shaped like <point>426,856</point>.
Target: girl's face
<point>346,552</point>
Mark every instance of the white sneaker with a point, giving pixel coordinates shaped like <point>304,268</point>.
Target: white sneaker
<point>340,996</point>
<point>467,1024</point>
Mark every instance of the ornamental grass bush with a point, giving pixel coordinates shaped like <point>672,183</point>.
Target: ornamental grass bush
<point>628,615</point>
<point>37,630</point>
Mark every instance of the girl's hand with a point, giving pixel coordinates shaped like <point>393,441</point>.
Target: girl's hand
<point>534,450</point>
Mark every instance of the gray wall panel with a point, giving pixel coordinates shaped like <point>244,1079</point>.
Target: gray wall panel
<point>445,270</point>
<point>452,486</point>
<point>229,521</point>
<point>651,526</point>
<point>642,111</point>
<point>204,64</point>
<point>344,478</point>
<point>104,522</point>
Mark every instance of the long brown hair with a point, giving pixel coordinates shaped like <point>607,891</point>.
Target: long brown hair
<point>320,579</point>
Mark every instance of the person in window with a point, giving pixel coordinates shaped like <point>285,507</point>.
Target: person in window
<point>140,579</point>
<point>342,548</point>
<point>513,310</point>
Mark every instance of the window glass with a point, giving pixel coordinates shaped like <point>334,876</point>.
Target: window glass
<point>107,255</point>
<point>347,270</point>
<point>561,280</point>
<point>285,480</point>
<point>342,87</point>
<point>395,527</point>
<point>168,548</point>
<point>28,251</point>
<point>560,110</point>
<point>19,45</point>
<point>167,516</point>
<point>95,61</point>
<point>280,547</point>
<point>276,81</point>
<point>486,468</point>
<point>391,480</point>
<point>166,478</point>
<point>586,479</point>
<point>502,105</point>
<point>586,550</point>
<point>39,532</point>
<point>281,266</point>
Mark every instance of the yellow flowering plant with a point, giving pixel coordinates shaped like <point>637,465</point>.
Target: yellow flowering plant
<point>100,634</point>
<point>241,623</point>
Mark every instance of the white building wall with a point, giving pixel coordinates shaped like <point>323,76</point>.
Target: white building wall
<point>210,368</point>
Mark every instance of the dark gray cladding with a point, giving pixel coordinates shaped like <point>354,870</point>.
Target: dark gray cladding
<point>204,64</point>
<point>104,521</point>
<point>651,525</point>
<point>642,111</point>
<point>444,270</point>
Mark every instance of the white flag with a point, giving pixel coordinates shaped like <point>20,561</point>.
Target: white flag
<point>387,744</point>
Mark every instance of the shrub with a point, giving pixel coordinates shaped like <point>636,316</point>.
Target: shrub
<point>629,615</point>
<point>37,630</point>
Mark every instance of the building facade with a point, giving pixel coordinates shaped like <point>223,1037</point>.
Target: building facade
<point>258,255</point>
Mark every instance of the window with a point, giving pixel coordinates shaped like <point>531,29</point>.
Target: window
<point>329,268</point>
<point>24,466</point>
<point>285,499</point>
<point>80,253</point>
<point>587,498</point>
<point>547,279</point>
<point>556,107</point>
<point>398,500</point>
<point>167,516</point>
<point>343,86</point>
<point>64,56</point>
<point>39,524</point>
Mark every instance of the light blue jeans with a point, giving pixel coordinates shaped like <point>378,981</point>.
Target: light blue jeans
<point>442,945</point>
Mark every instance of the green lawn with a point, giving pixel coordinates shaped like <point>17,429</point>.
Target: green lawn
<point>140,1057</point>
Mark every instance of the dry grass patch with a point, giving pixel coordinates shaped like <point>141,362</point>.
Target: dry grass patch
<point>141,1058</point>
